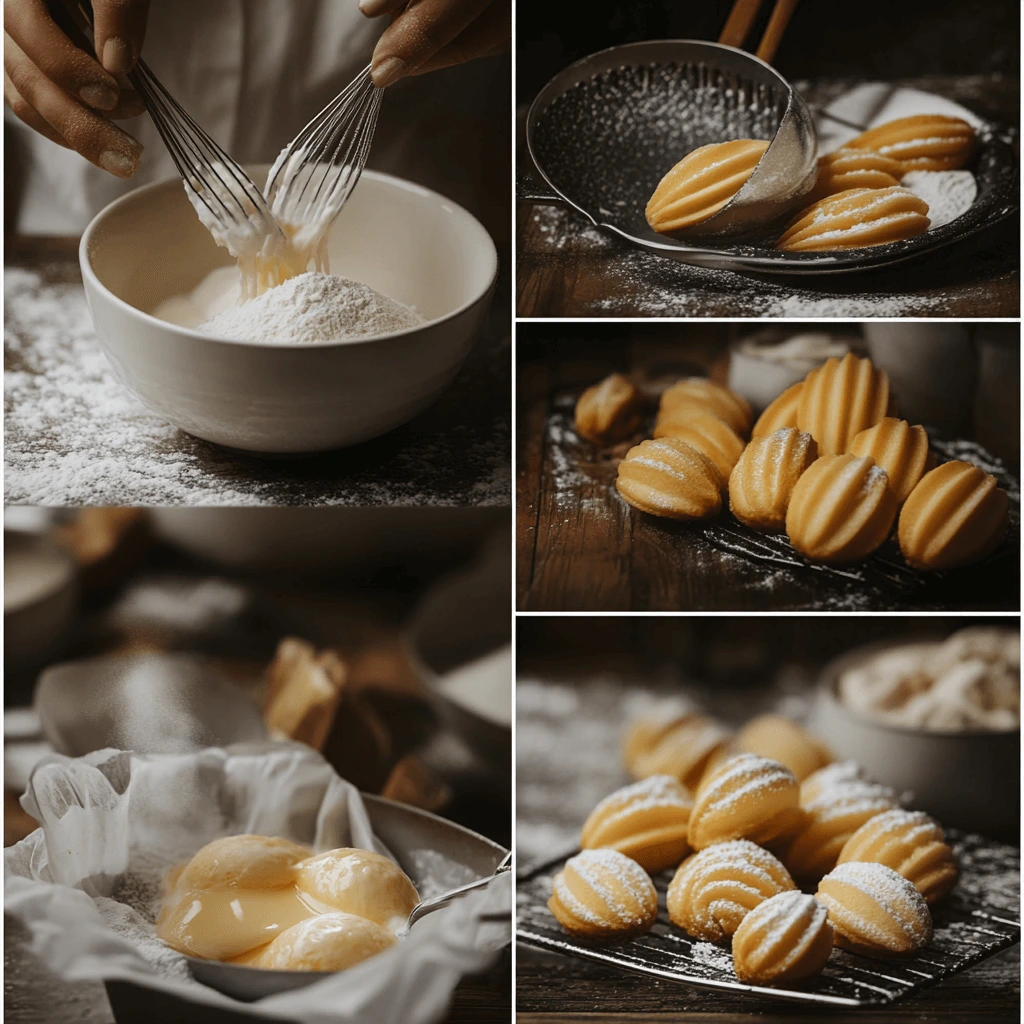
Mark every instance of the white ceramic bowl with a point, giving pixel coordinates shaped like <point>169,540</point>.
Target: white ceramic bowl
<point>967,780</point>
<point>408,242</point>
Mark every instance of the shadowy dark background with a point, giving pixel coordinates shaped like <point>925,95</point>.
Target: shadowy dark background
<point>886,39</point>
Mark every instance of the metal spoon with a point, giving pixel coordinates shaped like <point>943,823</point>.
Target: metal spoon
<point>437,902</point>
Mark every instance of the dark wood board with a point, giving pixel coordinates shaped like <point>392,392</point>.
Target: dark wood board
<point>581,548</point>
<point>566,268</point>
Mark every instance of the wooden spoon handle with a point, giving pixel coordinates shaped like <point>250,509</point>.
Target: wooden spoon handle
<point>740,20</point>
<point>772,38</point>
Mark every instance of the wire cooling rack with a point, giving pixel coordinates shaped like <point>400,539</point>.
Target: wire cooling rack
<point>978,919</point>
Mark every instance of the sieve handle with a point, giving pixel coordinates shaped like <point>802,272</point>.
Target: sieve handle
<point>741,20</point>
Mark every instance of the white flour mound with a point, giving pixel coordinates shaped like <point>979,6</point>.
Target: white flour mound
<point>949,194</point>
<point>311,308</point>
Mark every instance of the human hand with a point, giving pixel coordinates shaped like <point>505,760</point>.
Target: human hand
<point>65,93</point>
<point>425,35</point>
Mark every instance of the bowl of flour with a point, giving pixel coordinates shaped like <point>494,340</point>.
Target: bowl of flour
<point>325,359</point>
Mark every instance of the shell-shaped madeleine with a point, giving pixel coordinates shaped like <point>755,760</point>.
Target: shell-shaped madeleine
<point>711,436</point>
<point>781,739</point>
<point>874,910</point>
<point>714,890</point>
<point>841,398</point>
<point>668,477</point>
<point>824,779</point>
<point>698,394</point>
<point>646,821</point>
<point>923,142</point>
<point>702,183</point>
<point>841,509</point>
<point>746,797</point>
<point>644,730</point>
<point>763,479</point>
<point>609,411</point>
<point>782,412</point>
<point>845,169</point>
<point>683,750</point>
<point>912,844</point>
<point>956,515</point>
<point>857,219</point>
<point>602,894</point>
<point>785,939</point>
<point>834,806</point>
<point>900,449</point>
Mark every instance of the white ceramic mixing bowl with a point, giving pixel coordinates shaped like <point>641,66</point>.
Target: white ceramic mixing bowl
<point>410,243</point>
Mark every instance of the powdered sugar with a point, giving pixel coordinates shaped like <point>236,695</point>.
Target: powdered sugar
<point>949,194</point>
<point>897,898</point>
<point>313,308</point>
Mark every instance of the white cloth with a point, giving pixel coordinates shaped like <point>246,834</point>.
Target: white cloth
<point>252,73</point>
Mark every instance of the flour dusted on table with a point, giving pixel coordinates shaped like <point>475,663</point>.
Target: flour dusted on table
<point>949,194</point>
<point>311,308</point>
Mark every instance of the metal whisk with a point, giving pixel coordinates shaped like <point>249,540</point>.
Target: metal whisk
<point>234,202</point>
<point>315,174</point>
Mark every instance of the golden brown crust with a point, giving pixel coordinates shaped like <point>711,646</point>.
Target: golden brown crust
<point>668,477</point>
<point>763,478</point>
<point>785,939</point>
<point>609,411</point>
<point>956,515</point>
<point>923,142</point>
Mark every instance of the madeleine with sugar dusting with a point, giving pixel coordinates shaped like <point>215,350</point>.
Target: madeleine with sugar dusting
<point>670,478</point>
<point>672,738</point>
<point>609,411</point>
<point>956,515</point>
<point>708,434</point>
<point>857,219</point>
<point>745,797</point>
<point>909,842</point>
<point>697,187</point>
<point>875,911</point>
<point>692,395</point>
<point>834,803</point>
<point>922,142</point>
<point>840,510</point>
<point>602,894</point>
<point>646,821</point>
<point>846,169</point>
<point>787,938</point>
<point>714,890</point>
<point>900,449</point>
<point>763,479</point>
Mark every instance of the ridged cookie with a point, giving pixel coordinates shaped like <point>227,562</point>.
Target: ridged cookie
<point>671,740</point>
<point>900,449</point>
<point>697,187</point>
<point>698,394</point>
<point>609,411</point>
<point>763,479</point>
<point>647,821</point>
<point>781,739</point>
<point>782,412</point>
<point>714,890</point>
<point>875,911</point>
<point>708,434</point>
<point>841,398</point>
<point>845,169</point>
<point>602,894</point>
<point>668,477</point>
<point>840,510</point>
<point>912,844</point>
<point>857,219</point>
<point>923,142</point>
<point>745,797</point>
<point>785,939</point>
<point>955,515</point>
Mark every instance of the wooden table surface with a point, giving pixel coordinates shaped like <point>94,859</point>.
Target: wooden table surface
<point>567,268</point>
<point>77,437</point>
<point>581,548</point>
